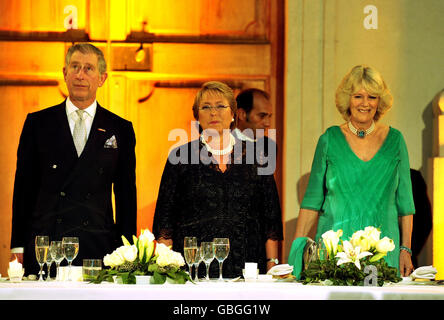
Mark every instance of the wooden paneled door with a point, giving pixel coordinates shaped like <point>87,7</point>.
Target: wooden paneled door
<point>159,52</point>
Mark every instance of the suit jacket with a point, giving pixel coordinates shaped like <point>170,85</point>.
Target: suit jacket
<point>57,193</point>
<point>422,219</point>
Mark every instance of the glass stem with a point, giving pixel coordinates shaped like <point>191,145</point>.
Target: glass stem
<point>57,271</point>
<point>220,270</point>
<point>69,270</point>
<point>196,269</point>
<point>48,277</point>
<point>41,272</point>
<point>208,271</point>
<point>190,267</point>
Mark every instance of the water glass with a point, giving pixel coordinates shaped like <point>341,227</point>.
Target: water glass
<point>49,261</point>
<point>91,269</point>
<point>208,256</point>
<point>199,259</point>
<point>70,247</point>
<point>221,251</point>
<point>56,252</point>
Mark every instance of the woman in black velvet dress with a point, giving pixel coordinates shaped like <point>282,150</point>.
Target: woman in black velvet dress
<point>209,190</point>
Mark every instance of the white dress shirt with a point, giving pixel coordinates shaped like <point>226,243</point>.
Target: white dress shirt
<point>240,136</point>
<point>88,116</point>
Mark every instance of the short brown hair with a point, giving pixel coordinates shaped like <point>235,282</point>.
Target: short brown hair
<point>218,88</point>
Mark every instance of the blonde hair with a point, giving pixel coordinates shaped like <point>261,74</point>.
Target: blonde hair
<point>214,87</point>
<point>363,77</point>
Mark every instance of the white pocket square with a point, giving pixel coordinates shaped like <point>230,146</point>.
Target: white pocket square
<point>111,143</point>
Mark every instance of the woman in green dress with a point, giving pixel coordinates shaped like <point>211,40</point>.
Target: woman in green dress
<point>360,173</point>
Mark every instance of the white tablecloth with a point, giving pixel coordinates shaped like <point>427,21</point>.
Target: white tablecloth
<point>32,290</point>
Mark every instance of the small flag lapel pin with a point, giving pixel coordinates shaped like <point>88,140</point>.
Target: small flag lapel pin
<point>100,129</point>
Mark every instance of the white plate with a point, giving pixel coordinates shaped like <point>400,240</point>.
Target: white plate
<point>281,272</point>
<point>409,281</point>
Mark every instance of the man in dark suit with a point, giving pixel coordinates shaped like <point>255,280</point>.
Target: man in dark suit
<point>254,113</point>
<point>423,217</point>
<point>70,157</point>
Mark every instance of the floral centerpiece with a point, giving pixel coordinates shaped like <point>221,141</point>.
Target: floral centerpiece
<point>144,257</point>
<point>357,261</point>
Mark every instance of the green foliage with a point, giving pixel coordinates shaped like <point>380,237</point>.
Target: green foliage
<point>347,274</point>
<point>160,275</point>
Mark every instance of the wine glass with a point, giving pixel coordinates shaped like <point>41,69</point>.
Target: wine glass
<point>190,251</point>
<point>70,246</point>
<point>49,261</point>
<point>199,259</point>
<point>221,250</point>
<point>208,255</point>
<point>57,255</point>
<point>41,252</point>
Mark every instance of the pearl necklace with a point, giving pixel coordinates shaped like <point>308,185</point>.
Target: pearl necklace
<point>361,133</point>
<point>219,152</point>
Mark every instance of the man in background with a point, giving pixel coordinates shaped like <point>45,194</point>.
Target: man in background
<point>254,114</point>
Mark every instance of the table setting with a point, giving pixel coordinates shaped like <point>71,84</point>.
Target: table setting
<point>145,269</point>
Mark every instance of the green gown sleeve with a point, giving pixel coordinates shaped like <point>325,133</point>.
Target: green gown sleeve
<point>315,194</point>
<point>313,200</point>
<point>404,194</point>
<point>296,255</point>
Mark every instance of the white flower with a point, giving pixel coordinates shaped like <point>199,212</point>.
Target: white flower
<point>145,245</point>
<point>331,241</point>
<point>360,238</point>
<point>384,245</point>
<point>113,260</point>
<point>351,254</point>
<point>120,256</point>
<point>161,249</point>
<point>146,236</point>
<point>372,235</point>
<point>129,253</point>
<point>166,256</point>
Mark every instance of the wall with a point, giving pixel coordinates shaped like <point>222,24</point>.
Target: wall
<point>325,39</point>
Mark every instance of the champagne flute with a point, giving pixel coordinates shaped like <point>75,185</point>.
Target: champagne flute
<point>208,256</point>
<point>70,247</point>
<point>49,261</point>
<point>199,259</point>
<point>221,250</point>
<point>57,255</point>
<point>190,251</point>
<point>41,252</point>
